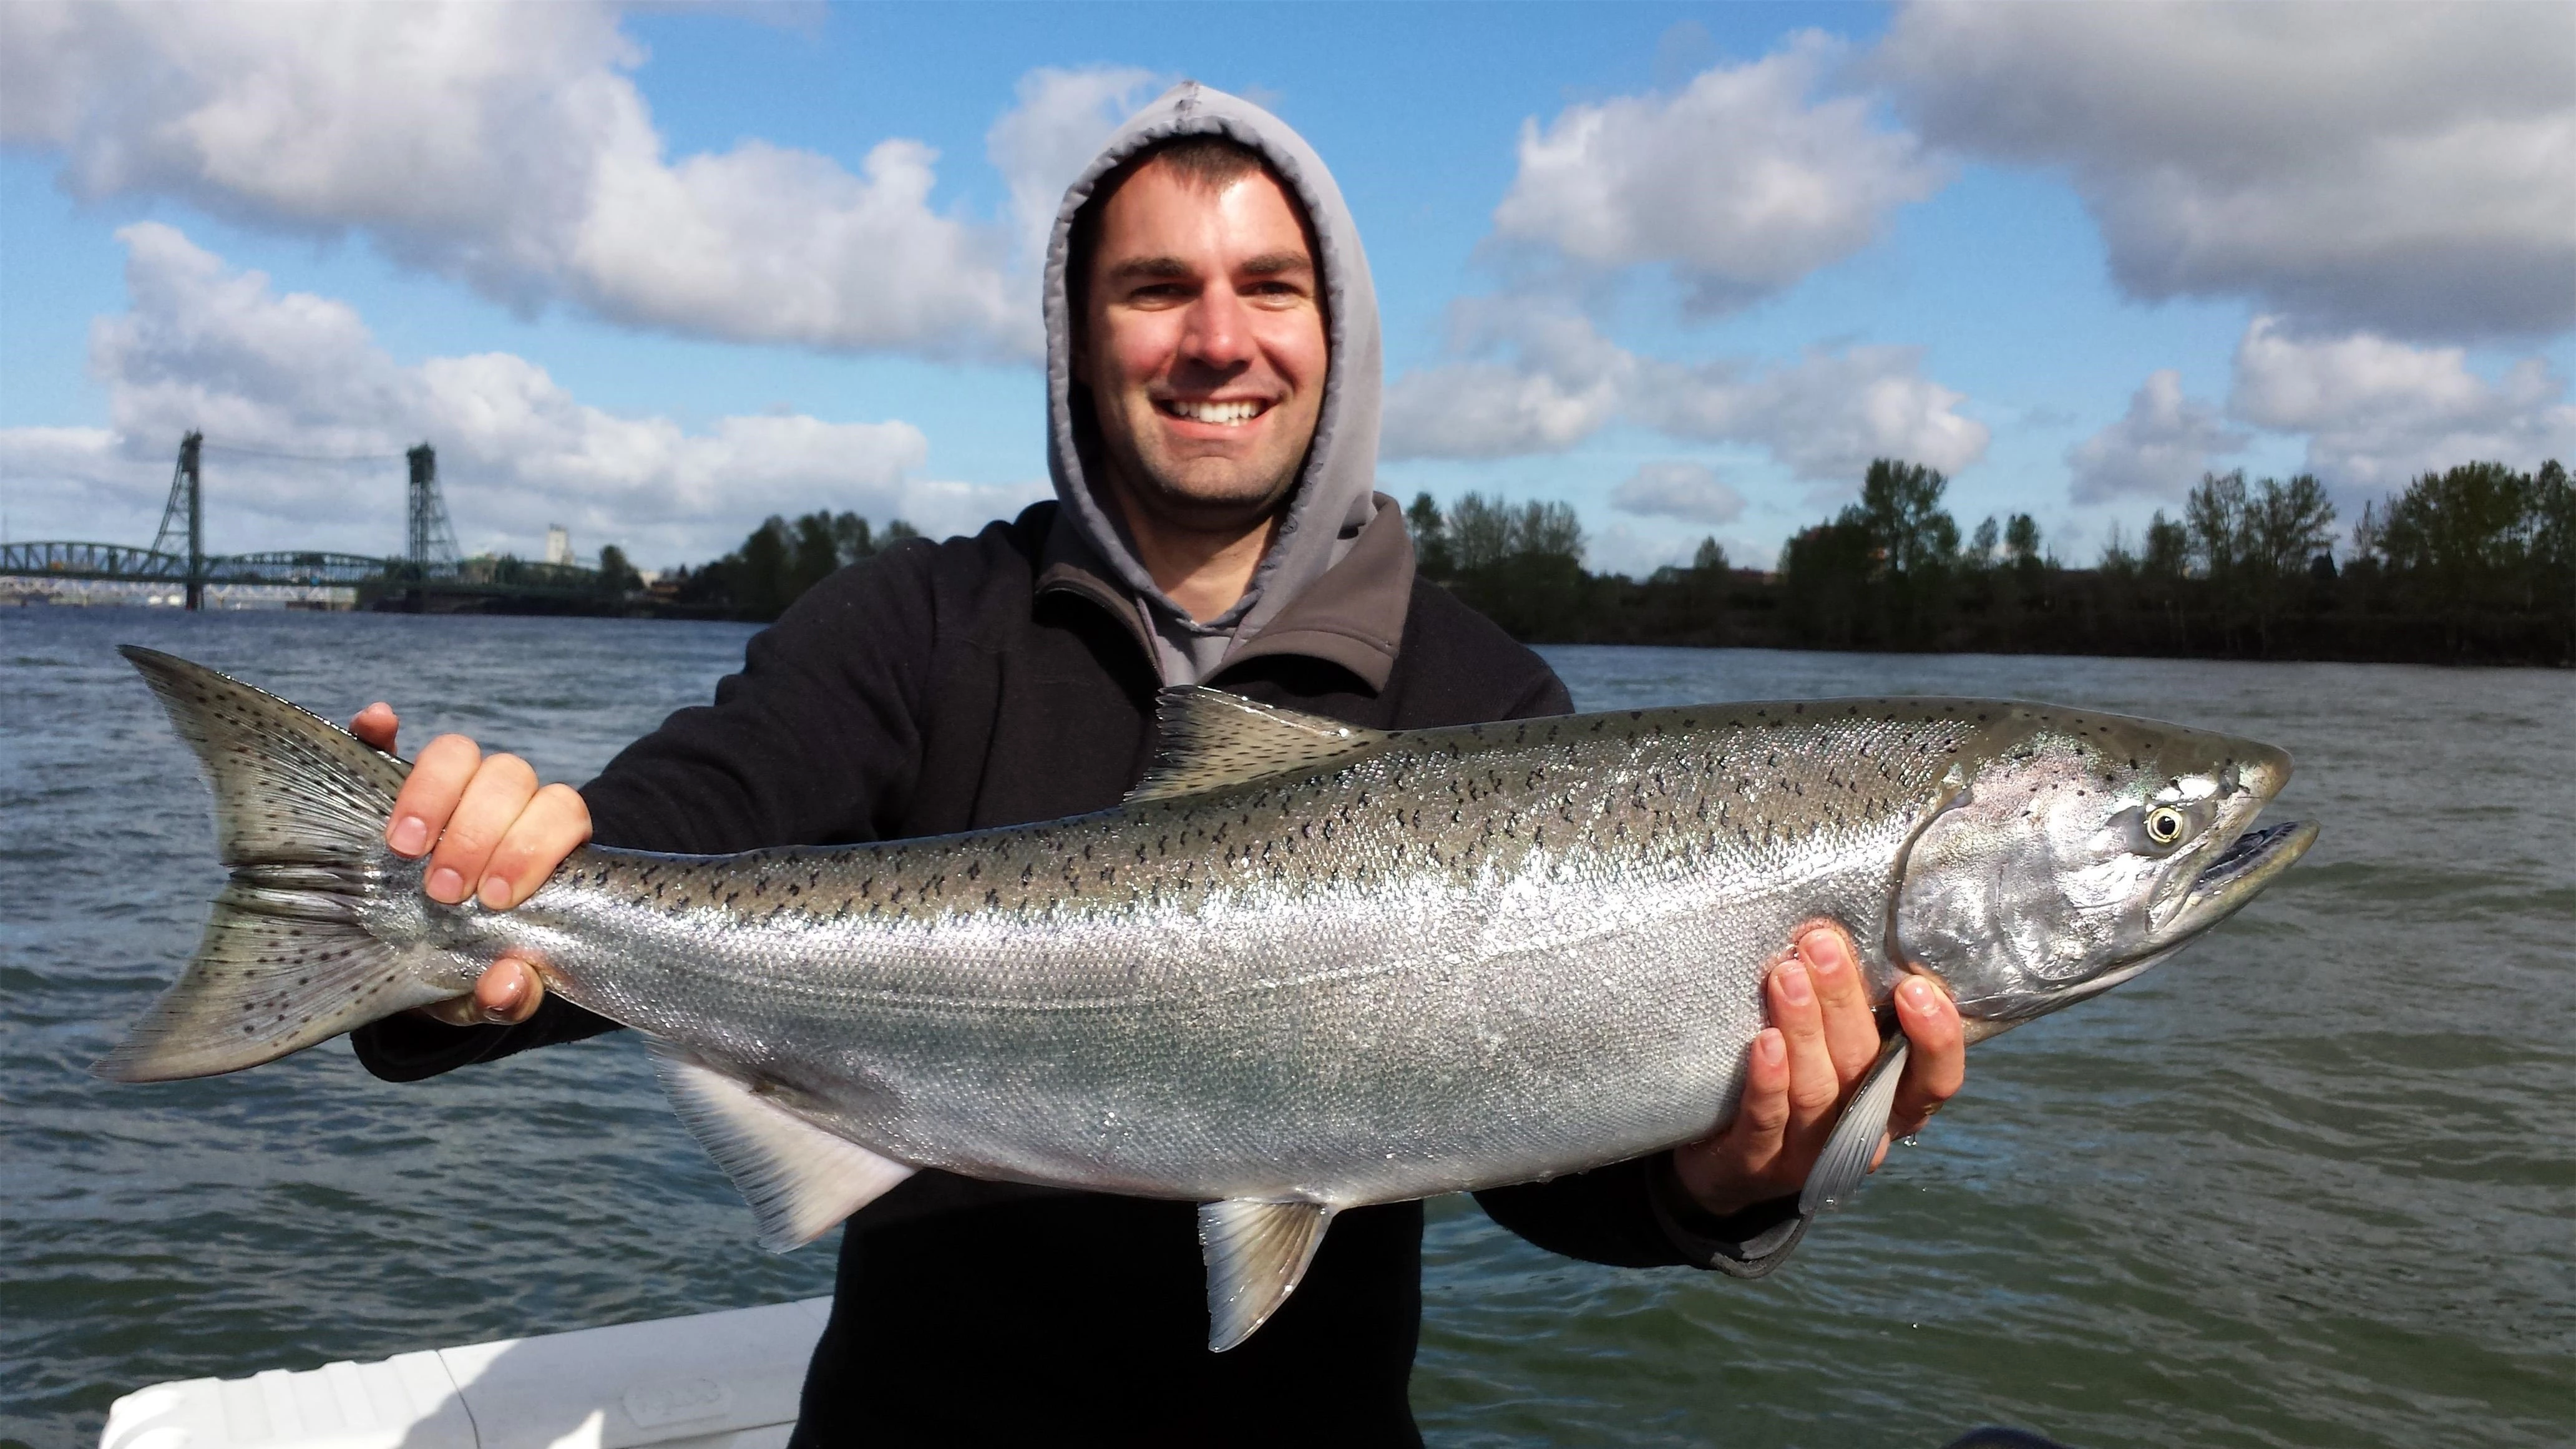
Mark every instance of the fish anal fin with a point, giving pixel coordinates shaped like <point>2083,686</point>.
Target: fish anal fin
<point>799,1178</point>
<point>1210,738</point>
<point>1845,1160</point>
<point>1255,1253</point>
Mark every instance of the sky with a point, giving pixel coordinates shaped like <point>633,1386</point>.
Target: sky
<point>653,273</point>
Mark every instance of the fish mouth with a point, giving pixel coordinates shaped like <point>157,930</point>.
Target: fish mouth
<point>2239,873</point>
<point>2233,877</point>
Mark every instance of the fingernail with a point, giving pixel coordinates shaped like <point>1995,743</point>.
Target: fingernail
<point>508,1006</point>
<point>1793,985</point>
<point>1770,1047</point>
<point>496,892</point>
<point>410,835</point>
<point>1823,953</point>
<point>1918,993</point>
<point>446,885</point>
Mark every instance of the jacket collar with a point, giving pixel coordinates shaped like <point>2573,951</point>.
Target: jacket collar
<point>1352,616</point>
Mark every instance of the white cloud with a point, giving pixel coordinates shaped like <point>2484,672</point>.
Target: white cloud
<point>2157,450</point>
<point>204,346</point>
<point>1566,383</point>
<point>1740,181</point>
<point>507,147</point>
<point>1672,488</point>
<point>1060,121</point>
<point>2399,168</point>
<point>1826,415</point>
<point>1559,381</point>
<point>2379,413</point>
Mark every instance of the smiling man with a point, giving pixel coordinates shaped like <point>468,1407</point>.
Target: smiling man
<point>1213,380</point>
<point>1199,336</point>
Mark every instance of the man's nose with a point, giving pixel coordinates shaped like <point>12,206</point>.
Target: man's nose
<point>1219,334</point>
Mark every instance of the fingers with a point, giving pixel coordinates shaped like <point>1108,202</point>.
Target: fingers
<point>1938,1064</point>
<point>501,787</point>
<point>429,795</point>
<point>497,835</point>
<point>376,725</point>
<point>555,823</point>
<point>1734,1168</point>
<point>1850,1028</point>
<point>507,993</point>
<point>1815,1089</point>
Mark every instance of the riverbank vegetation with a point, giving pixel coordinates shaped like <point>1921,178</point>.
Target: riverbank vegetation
<point>2476,564</point>
<point>2471,565</point>
<point>775,565</point>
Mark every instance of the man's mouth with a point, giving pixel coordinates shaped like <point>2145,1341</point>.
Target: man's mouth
<point>1231,413</point>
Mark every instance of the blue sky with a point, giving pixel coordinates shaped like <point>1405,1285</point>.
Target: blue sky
<point>1687,267</point>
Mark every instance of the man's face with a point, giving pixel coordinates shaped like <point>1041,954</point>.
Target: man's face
<point>1203,346</point>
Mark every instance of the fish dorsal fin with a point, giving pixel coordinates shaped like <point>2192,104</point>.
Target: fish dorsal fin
<point>1255,1252</point>
<point>1211,738</point>
<point>798,1178</point>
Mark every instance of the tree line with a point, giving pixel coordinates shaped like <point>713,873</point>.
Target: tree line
<point>2473,564</point>
<point>776,564</point>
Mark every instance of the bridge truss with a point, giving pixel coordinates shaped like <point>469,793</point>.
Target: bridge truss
<point>429,566</point>
<point>124,563</point>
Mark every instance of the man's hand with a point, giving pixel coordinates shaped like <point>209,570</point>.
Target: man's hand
<point>1807,1063</point>
<point>491,825</point>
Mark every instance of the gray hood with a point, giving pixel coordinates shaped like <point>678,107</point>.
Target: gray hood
<point>1335,494</point>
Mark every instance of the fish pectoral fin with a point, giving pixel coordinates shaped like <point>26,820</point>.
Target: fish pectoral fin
<point>1255,1253</point>
<point>1208,738</point>
<point>1845,1160</point>
<point>798,1178</point>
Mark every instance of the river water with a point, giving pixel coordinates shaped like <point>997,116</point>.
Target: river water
<point>2308,1184</point>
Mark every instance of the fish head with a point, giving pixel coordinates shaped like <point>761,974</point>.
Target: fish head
<point>2076,850</point>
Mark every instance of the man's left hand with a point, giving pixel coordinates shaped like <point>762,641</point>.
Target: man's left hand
<point>1806,1065</point>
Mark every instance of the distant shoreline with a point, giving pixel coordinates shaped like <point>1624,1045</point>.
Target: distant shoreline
<point>1753,624</point>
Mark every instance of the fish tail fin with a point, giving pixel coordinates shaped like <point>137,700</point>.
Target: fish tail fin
<point>287,961</point>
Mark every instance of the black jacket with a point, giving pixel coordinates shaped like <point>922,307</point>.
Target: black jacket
<point>986,682</point>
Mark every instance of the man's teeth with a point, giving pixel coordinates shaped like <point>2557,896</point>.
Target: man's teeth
<point>1225,414</point>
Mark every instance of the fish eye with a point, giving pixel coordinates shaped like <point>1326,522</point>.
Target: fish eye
<point>2164,825</point>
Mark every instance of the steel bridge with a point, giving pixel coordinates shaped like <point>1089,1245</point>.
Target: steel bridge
<point>428,575</point>
<point>124,563</point>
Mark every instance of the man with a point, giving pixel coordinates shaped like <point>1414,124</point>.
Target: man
<point>1213,376</point>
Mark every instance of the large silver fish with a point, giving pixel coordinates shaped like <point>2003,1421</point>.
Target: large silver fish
<point>1303,967</point>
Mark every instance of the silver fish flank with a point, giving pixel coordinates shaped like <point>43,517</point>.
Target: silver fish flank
<point>1304,966</point>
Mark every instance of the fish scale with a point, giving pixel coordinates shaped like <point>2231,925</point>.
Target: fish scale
<point>1303,967</point>
<point>1271,929</point>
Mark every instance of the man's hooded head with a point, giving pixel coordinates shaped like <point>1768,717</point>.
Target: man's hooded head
<point>1218,445</point>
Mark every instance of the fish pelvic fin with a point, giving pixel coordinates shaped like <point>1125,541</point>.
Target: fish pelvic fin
<point>1208,739</point>
<point>1844,1162</point>
<point>1255,1253</point>
<point>300,811</point>
<point>799,1178</point>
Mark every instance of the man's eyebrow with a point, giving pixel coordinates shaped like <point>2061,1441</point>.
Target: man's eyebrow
<point>1271,264</point>
<point>1150,267</point>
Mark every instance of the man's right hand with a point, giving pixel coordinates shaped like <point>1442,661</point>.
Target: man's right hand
<point>496,835</point>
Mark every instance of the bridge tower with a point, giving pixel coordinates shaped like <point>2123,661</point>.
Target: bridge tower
<point>432,539</point>
<point>183,518</point>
